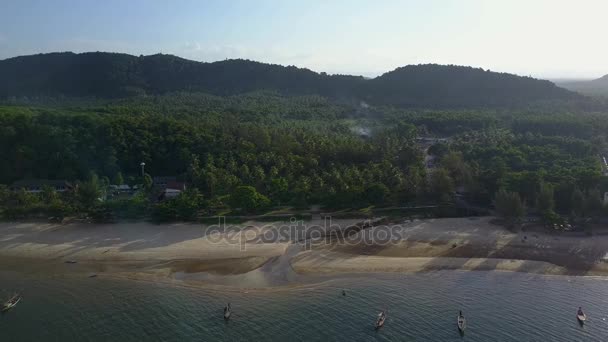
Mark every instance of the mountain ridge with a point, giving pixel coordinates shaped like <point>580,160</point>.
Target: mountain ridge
<point>595,87</point>
<point>112,75</point>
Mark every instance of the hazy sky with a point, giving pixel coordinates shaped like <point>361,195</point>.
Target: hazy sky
<point>544,38</point>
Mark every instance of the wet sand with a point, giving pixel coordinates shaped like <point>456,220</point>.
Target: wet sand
<point>132,246</point>
<point>461,243</point>
<point>194,252</point>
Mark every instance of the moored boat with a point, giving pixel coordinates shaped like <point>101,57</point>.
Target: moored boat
<point>381,319</point>
<point>462,322</point>
<point>580,315</point>
<point>227,311</point>
<point>11,303</point>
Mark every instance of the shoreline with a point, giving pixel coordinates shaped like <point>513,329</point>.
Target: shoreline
<point>336,264</point>
<point>189,254</point>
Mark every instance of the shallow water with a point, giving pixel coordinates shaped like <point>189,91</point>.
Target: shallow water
<point>421,307</point>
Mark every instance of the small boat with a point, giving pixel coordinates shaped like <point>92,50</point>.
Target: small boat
<point>227,311</point>
<point>343,292</point>
<point>462,322</point>
<point>11,303</point>
<point>580,315</point>
<point>381,319</point>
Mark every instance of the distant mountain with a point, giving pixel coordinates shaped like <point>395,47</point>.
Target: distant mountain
<point>111,75</point>
<point>460,86</point>
<point>118,75</point>
<point>597,87</point>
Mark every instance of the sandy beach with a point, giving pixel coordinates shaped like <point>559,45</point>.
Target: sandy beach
<point>201,252</point>
<point>464,244</point>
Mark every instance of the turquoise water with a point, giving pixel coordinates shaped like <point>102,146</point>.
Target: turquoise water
<point>422,307</point>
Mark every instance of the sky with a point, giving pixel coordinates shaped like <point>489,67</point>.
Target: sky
<point>540,38</point>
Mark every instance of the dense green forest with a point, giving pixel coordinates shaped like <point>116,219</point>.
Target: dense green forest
<point>261,150</point>
<point>112,75</point>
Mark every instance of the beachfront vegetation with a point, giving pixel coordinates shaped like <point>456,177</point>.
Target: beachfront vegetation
<point>509,206</point>
<point>263,150</point>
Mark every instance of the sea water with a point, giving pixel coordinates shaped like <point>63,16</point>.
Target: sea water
<point>499,306</point>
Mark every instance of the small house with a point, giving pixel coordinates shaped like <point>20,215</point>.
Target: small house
<point>122,188</point>
<point>162,181</point>
<point>173,189</point>
<point>37,185</point>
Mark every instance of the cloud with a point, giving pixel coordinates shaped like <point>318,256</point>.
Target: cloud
<point>209,53</point>
<point>330,60</point>
<point>325,58</point>
<point>189,46</point>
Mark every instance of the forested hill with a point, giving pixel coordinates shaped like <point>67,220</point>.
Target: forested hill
<point>111,75</point>
<point>597,87</point>
<point>459,86</point>
<point>118,75</point>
